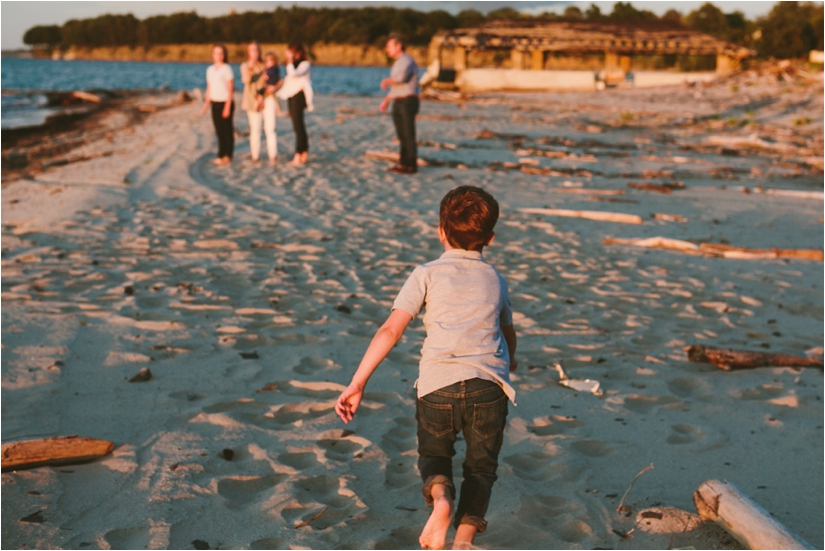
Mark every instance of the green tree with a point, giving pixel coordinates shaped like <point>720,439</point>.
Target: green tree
<point>708,19</point>
<point>623,11</point>
<point>593,13</point>
<point>503,13</point>
<point>573,12</point>
<point>469,18</point>
<point>42,35</point>
<point>791,29</point>
<point>672,16</point>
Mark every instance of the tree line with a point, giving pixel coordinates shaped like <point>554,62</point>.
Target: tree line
<point>791,29</point>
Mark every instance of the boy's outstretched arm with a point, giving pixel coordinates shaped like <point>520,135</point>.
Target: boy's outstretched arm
<point>509,333</point>
<point>381,344</point>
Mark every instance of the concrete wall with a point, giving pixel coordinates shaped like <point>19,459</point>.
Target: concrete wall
<point>486,80</point>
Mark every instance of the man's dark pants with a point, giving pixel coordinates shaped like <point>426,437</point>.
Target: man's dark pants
<point>479,409</point>
<point>404,111</point>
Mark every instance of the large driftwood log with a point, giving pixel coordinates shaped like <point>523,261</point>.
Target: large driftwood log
<point>744,359</point>
<point>589,214</point>
<point>716,249</point>
<point>750,524</point>
<point>63,450</point>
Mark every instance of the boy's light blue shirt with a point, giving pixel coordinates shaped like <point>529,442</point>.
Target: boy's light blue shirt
<point>466,302</point>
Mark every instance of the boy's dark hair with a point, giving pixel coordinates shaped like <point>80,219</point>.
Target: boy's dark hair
<point>468,215</point>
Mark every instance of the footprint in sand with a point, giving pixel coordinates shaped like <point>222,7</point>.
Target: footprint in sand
<point>129,538</point>
<point>299,461</point>
<point>762,392</point>
<point>536,466</point>
<point>553,425</point>
<point>685,387</point>
<point>313,364</point>
<point>556,515</point>
<point>326,491</point>
<point>339,450</point>
<point>290,413</point>
<point>240,491</point>
<point>401,437</point>
<point>400,472</point>
<point>592,448</point>
<point>641,403</point>
<point>268,543</point>
<point>400,538</point>
<point>684,434</point>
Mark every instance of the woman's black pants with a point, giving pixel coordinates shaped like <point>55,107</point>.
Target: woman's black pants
<point>223,128</point>
<point>297,104</point>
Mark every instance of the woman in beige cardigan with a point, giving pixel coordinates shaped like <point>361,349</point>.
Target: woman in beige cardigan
<point>253,76</point>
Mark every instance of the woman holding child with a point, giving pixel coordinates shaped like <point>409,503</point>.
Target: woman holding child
<point>259,84</point>
<point>220,84</point>
<point>297,91</point>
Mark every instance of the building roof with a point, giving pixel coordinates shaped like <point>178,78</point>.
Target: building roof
<point>568,36</point>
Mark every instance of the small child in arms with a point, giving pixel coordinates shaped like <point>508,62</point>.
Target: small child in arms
<point>464,373</point>
<point>273,78</point>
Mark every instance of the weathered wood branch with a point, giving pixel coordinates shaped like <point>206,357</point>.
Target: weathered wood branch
<point>62,450</point>
<point>743,359</point>
<point>589,214</point>
<point>750,524</point>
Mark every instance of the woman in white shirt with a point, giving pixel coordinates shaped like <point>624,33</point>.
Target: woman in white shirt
<point>297,91</point>
<point>220,84</point>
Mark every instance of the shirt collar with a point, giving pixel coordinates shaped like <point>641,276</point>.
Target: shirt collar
<point>461,253</point>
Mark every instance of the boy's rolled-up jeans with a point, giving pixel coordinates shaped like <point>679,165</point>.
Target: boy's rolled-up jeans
<point>478,408</point>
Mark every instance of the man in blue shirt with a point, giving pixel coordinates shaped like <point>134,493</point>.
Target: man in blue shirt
<point>403,92</point>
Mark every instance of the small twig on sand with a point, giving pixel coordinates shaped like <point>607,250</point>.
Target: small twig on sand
<point>621,508</point>
<point>316,517</point>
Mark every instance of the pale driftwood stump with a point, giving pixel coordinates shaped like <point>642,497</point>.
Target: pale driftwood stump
<point>723,503</point>
<point>743,359</point>
<point>62,450</point>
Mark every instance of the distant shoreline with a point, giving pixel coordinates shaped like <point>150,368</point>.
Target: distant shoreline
<point>320,54</point>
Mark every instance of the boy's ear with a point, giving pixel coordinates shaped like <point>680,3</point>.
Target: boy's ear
<point>492,236</point>
<point>441,235</point>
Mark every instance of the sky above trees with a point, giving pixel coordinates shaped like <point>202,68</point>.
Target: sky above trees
<point>18,16</point>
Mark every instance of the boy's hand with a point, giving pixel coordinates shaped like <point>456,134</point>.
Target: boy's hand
<point>348,402</point>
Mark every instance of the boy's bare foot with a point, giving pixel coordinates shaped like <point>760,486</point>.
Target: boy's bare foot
<point>297,160</point>
<point>464,536</point>
<point>435,531</point>
<point>221,161</point>
<point>273,162</point>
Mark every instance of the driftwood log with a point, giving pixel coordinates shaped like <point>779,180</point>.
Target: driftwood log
<point>716,249</point>
<point>750,524</point>
<point>62,450</point>
<point>745,359</point>
<point>589,214</point>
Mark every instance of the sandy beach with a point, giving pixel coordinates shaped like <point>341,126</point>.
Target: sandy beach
<point>250,292</point>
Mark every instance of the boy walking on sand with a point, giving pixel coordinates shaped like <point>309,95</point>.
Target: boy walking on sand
<point>464,381</point>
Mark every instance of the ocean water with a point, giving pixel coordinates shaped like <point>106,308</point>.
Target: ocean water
<point>25,80</point>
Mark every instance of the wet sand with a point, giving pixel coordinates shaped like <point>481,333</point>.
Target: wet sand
<point>251,293</point>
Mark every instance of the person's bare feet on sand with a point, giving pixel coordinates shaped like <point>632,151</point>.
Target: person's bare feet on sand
<point>221,161</point>
<point>273,162</point>
<point>464,536</point>
<point>298,160</point>
<point>435,531</point>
